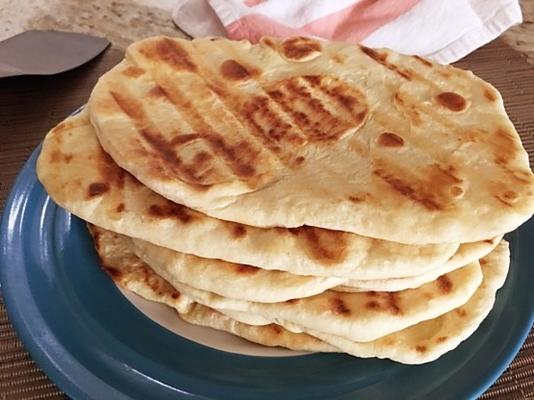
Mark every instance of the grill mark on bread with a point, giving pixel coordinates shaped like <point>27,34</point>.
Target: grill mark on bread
<point>172,210</point>
<point>171,53</point>
<point>489,95</point>
<point>385,301</point>
<point>165,148</point>
<point>184,138</point>
<point>421,348</point>
<point>238,230</point>
<point>381,58</point>
<point>329,247</point>
<point>300,48</point>
<point>234,71</point>
<point>300,99</point>
<point>500,143</point>
<point>426,63</point>
<point>133,71</point>
<point>245,269</point>
<point>444,284</point>
<point>338,307</point>
<point>347,96</point>
<point>431,192</point>
<point>238,157</point>
<point>97,189</point>
<point>393,303</point>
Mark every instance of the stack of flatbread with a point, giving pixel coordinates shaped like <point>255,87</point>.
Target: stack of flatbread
<point>316,196</point>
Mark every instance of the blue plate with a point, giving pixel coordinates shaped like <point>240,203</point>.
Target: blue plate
<point>95,345</point>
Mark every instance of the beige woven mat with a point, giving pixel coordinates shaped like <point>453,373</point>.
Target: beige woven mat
<point>29,107</point>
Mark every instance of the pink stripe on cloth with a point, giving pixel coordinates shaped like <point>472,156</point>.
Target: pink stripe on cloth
<point>358,21</point>
<point>252,3</point>
<point>254,26</point>
<point>353,23</point>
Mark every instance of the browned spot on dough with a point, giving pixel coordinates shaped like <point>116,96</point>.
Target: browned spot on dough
<point>293,301</point>
<point>55,157</point>
<point>372,305</point>
<point>490,241</point>
<point>299,160</point>
<point>171,210</point>
<point>432,190</point>
<point>111,173</point>
<point>441,339</point>
<point>171,53</point>
<point>444,284</point>
<point>276,329</point>
<point>338,58</point>
<point>461,312</point>
<point>157,92</point>
<point>175,295</point>
<point>423,61</point>
<point>456,191</point>
<point>202,157</point>
<point>483,261</point>
<point>299,48</point>
<point>239,231</point>
<point>234,71</point>
<point>324,245</point>
<point>375,55</point>
<point>133,71</point>
<point>452,101</point>
<point>339,307</point>
<point>128,105</point>
<point>371,293</point>
<point>97,189</point>
<point>393,303</point>
<point>381,58</point>
<point>489,95</point>
<point>246,269</point>
<point>359,197</point>
<point>120,208</point>
<point>390,139</point>
<point>268,42</point>
<point>420,348</point>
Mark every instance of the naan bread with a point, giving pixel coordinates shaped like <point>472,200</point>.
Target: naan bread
<point>363,316</point>
<point>131,273</point>
<point>430,339</point>
<point>332,135</point>
<point>417,344</point>
<point>410,282</point>
<point>235,281</point>
<point>80,177</point>
<point>267,335</point>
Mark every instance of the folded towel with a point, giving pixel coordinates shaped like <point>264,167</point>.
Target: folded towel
<point>443,31</point>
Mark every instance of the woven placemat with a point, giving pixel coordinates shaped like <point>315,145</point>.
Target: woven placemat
<point>29,107</point>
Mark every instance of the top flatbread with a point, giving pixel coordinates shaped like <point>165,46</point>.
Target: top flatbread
<point>331,135</point>
<point>82,178</point>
